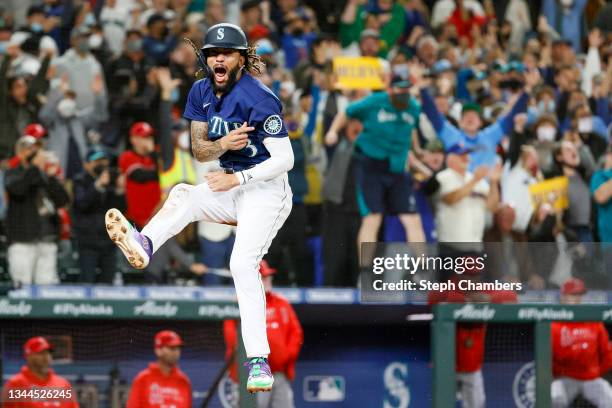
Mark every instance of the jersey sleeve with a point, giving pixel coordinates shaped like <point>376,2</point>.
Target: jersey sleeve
<point>195,108</point>
<point>267,119</point>
<point>359,109</point>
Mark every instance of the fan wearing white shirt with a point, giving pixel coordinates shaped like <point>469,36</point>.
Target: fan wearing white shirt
<point>465,197</point>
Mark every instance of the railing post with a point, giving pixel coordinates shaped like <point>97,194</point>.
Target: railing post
<point>543,364</point>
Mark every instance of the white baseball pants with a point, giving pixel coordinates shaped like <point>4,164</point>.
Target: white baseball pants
<point>258,210</point>
<point>598,392</point>
<point>471,388</point>
<point>33,263</point>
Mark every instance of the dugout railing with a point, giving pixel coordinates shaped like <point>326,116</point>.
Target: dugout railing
<point>128,311</point>
<point>540,316</point>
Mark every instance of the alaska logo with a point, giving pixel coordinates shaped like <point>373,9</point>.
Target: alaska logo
<point>471,312</point>
<point>152,308</point>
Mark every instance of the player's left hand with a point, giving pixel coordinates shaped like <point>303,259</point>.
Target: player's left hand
<point>220,181</point>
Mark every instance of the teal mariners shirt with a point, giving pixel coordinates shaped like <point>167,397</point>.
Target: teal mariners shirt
<point>387,131</point>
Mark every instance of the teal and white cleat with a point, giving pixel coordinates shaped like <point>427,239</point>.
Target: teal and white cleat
<point>260,376</point>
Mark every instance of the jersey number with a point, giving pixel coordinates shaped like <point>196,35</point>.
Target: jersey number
<point>220,33</point>
<point>251,148</point>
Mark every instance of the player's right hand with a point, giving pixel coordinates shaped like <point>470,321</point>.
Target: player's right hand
<point>237,139</point>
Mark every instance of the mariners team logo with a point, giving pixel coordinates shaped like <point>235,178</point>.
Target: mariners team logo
<point>228,392</point>
<point>273,124</point>
<point>523,387</point>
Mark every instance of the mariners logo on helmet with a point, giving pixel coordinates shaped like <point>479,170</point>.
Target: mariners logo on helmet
<point>225,35</point>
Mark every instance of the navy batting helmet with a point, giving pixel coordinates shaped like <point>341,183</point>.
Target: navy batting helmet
<point>225,35</point>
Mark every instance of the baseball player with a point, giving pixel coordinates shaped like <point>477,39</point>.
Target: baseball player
<point>27,388</point>
<point>581,355</point>
<point>470,340</point>
<point>285,335</point>
<point>162,384</point>
<point>236,119</point>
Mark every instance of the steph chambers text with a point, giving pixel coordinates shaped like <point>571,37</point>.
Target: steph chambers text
<point>425,285</point>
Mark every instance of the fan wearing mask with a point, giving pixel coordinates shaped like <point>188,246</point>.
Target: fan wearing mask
<point>68,125</point>
<point>96,188</point>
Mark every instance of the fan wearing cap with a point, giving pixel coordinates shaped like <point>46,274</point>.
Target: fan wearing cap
<point>381,150</point>
<point>143,191</point>
<point>95,189</point>
<point>601,188</point>
<point>483,141</point>
<point>465,197</point>
<point>34,196</point>
<point>162,384</point>
<point>582,354</point>
<point>285,336</point>
<point>37,373</point>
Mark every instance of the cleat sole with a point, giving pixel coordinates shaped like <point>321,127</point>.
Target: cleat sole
<point>117,231</point>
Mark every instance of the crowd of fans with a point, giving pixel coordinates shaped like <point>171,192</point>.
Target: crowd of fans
<point>506,94</point>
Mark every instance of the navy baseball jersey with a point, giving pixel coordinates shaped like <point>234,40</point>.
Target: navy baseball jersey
<point>248,101</point>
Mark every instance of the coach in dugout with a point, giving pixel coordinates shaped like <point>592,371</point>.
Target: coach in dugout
<point>582,353</point>
<point>470,338</point>
<point>162,384</point>
<point>36,385</point>
<point>285,336</point>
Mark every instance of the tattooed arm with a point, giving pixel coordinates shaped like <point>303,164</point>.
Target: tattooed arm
<point>206,150</point>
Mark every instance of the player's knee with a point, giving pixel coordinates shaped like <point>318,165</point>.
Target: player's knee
<point>178,194</point>
<point>241,264</point>
<point>372,220</point>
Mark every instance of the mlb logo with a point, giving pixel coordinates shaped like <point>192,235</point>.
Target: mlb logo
<point>322,388</point>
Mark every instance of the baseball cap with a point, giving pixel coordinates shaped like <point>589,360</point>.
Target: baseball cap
<point>471,106</point>
<point>35,130</point>
<point>434,145</point>
<point>79,31</point>
<point>141,129</point>
<point>96,153</point>
<point>441,66</point>
<point>265,269</point>
<point>36,345</point>
<point>370,32</point>
<point>167,338</point>
<point>573,286</point>
<point>399,82</point>
<point>459,148</point>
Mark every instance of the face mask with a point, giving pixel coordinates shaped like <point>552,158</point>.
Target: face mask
<point>66,108</point>
<point>98,169</point>
<point>585,125</point>
<point>487,113</point>
<point>134,45</point>
<point>36,27</point>
<point>90,20</point>
<point>183,141</point>
<point>174,96</point>
<point>95,41</point>
<point>329,54</point>
<point>401,70</point>
<point>566,3</point>
<point>83,46</point>
<point>546,107</point>
<point>3,47</point>
<point>546,133</point>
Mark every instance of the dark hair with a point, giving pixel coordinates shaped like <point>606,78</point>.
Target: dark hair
<point>253,62</point>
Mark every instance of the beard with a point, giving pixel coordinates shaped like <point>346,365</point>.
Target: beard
<point>400,102</point>
<point>231,81</point>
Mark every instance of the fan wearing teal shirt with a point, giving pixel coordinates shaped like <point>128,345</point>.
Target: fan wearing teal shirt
<point>381,150</point>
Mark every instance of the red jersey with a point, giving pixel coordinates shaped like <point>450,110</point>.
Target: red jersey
<point>581,350</point>
<point>153,389</point>
<point>285,336</point>
<point>142,198</point>
<point>26,379</point>
<point>470,337</point>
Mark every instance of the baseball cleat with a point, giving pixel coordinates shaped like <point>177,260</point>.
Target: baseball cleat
<point>260,376</point>
<point>132,243</point>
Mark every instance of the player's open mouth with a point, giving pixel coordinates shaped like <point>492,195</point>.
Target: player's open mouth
<point>220,74</point>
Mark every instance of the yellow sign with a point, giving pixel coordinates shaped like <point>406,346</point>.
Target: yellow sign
<point>553,192</point>
<point>358,73</point>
